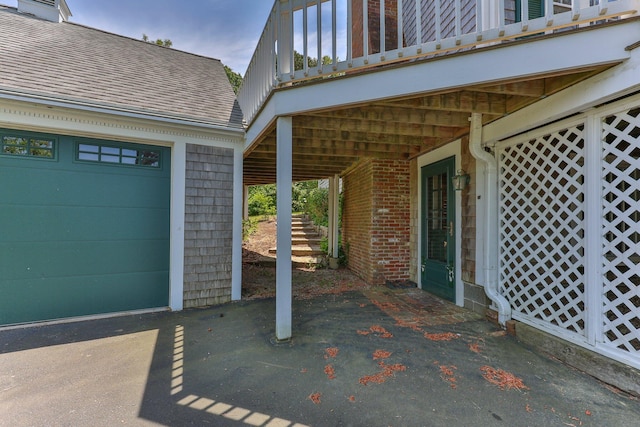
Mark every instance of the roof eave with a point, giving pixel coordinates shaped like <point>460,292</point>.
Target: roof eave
<point>95,107</point>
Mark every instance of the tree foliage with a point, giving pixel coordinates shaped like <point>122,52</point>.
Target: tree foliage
<point>234,78</point>
<point>159,42</point>
<point>263,201</point>
<point>298,61</point>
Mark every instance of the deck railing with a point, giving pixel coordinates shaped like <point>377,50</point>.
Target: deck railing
<point>339,36</point>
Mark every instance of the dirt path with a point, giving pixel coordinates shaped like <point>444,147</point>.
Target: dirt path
<point>259,271</point>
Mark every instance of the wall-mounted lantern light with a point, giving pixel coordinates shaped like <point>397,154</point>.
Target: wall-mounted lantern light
<point>461,180</point>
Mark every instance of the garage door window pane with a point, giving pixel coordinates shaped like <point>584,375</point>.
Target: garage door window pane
<point>118,155</point>
<point>25,146</point>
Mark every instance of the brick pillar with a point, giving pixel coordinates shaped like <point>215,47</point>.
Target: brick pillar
<point>391,26</point>
<point>376,220</point>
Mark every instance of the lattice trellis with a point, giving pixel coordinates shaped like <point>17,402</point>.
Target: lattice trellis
<point>621,230</point>
<point>542,228</point>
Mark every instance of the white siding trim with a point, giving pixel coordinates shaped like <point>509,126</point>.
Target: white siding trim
<point>178,198</point>
<point>238,216</point>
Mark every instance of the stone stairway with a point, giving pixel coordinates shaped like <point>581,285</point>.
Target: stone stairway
<point>305,240</point>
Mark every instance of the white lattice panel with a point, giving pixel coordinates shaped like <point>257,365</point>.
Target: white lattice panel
<point>621,230</point>
<point>542,229</point>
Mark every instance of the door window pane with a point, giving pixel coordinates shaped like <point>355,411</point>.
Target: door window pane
<point>437,217</point>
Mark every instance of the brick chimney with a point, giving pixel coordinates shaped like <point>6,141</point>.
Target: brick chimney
<point>51,10</point>
<point>391,26</point>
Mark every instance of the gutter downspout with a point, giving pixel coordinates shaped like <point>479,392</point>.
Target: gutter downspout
<point>491,219</point>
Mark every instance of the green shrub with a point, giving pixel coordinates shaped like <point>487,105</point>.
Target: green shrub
<point>249,226</point>
<point>261,203</point>
<point>318,206</point>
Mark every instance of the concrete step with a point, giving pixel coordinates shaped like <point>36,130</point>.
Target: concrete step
<point>304,228</point>
<point>306,240</point>
<point>302,250</point>
<point>304,233</point>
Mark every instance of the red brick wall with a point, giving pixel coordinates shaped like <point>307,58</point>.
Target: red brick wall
<point>356,218</point>
<point>391,26</point>
<point>376,220</point>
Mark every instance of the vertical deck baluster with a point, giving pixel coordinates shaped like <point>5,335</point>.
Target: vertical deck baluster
<point>458,24</point>
<point>524,12</point>
<point>292,59</point>
<point>548,8</point>
<point>334,38</point>
<point>305,40</point>
<point>575,10</point>
<point>501,18</point>
<point>400,24</point>
<point>480,17</point>
<point>419,24</point>
<point>279,32</point>
<point>383,30</point>
<point>262,83</point>
<point>365,30</point>
<point>319,33</point>
<point>602,6</point>
<point>349,34</point>
<point>272,50</point>
<point>438,23</point>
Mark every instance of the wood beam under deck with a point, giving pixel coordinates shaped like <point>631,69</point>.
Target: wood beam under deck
<point>407,116</point>
<point>345,148</point>
<point>464,101</point>
<point>328,142</point>
<point>365,128</point>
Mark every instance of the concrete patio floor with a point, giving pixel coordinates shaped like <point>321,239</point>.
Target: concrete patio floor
<point>378,357</point>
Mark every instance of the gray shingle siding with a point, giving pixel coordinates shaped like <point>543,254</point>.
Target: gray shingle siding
<point>447,11</point>
<point>208,226</point>
<point>71,62</point>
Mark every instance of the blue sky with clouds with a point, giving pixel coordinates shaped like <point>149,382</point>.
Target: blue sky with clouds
<point>224,29</point>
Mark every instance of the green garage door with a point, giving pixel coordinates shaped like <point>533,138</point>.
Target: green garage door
<point>84,227</point>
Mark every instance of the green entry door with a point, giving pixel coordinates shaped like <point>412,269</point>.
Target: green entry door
<point>438,228</point>
<point>84,227</point>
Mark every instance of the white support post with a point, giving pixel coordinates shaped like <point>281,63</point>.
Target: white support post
<point>593,226</point>
<point>236,258</point>
<point>330,217</point>
<point>334,219</point>
<point>284,136</point>
<point>245,202</point>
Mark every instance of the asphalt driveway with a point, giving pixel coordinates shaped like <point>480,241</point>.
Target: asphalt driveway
<point>374,358</point>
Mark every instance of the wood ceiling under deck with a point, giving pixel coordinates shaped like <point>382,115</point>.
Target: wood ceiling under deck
<point>327,142</point>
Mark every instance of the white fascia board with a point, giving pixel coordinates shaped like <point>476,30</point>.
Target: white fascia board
<point>262,122</point>
<point>103,109</point>
<point>42,118</point>
<point>517,60</point>
<point>609,85</point>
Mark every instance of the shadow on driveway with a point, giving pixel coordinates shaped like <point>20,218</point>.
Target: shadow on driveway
<point>378,358</point>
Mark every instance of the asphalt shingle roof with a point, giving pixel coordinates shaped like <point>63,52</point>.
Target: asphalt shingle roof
<point>71,62</point>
